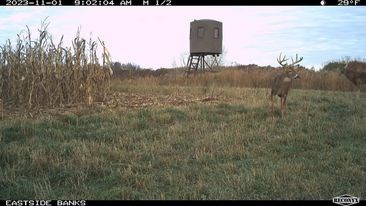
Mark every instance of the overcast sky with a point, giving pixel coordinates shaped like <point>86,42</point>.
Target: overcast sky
<point>155,37</point>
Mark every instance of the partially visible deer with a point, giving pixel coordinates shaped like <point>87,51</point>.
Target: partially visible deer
<point>355,71</point>
<point>282,82</point>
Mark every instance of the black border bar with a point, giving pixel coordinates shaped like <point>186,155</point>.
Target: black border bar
<point>169,202</point>
<point>180,2</point>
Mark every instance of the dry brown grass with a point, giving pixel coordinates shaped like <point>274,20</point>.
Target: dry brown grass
<point>243,77</point>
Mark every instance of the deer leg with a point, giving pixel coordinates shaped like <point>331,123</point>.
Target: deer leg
<point>282,106</point>
<point>272,103</point>
<point>284,103</point>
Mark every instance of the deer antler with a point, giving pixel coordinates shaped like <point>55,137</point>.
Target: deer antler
<point>297,60</point>
<point>281,60</point>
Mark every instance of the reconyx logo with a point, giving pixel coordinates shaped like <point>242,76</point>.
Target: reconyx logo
<point>346,200</point>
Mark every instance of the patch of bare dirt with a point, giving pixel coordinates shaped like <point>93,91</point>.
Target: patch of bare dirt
<point>134,100</point>
<point>115,100</point>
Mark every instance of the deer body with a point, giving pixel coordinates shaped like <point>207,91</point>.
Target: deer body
<point>356,72</point>
<point>282,82</point>
<point>281,85</point>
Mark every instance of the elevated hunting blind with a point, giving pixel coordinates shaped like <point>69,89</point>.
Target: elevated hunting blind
<point>205,39</point>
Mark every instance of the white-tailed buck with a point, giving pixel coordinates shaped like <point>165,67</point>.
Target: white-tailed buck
<point>282,82</point>
<point>355,71</point>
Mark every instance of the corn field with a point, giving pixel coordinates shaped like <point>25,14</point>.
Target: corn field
<point>39,73</point>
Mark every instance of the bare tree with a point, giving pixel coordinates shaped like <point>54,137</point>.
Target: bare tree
<point>282,82</point>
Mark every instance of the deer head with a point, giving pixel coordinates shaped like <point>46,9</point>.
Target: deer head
<point>289,68</point>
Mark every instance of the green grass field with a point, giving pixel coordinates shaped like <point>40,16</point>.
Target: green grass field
<point>179,142</point>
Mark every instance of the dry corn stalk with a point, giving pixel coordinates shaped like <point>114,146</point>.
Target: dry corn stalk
<point>38,73</point>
